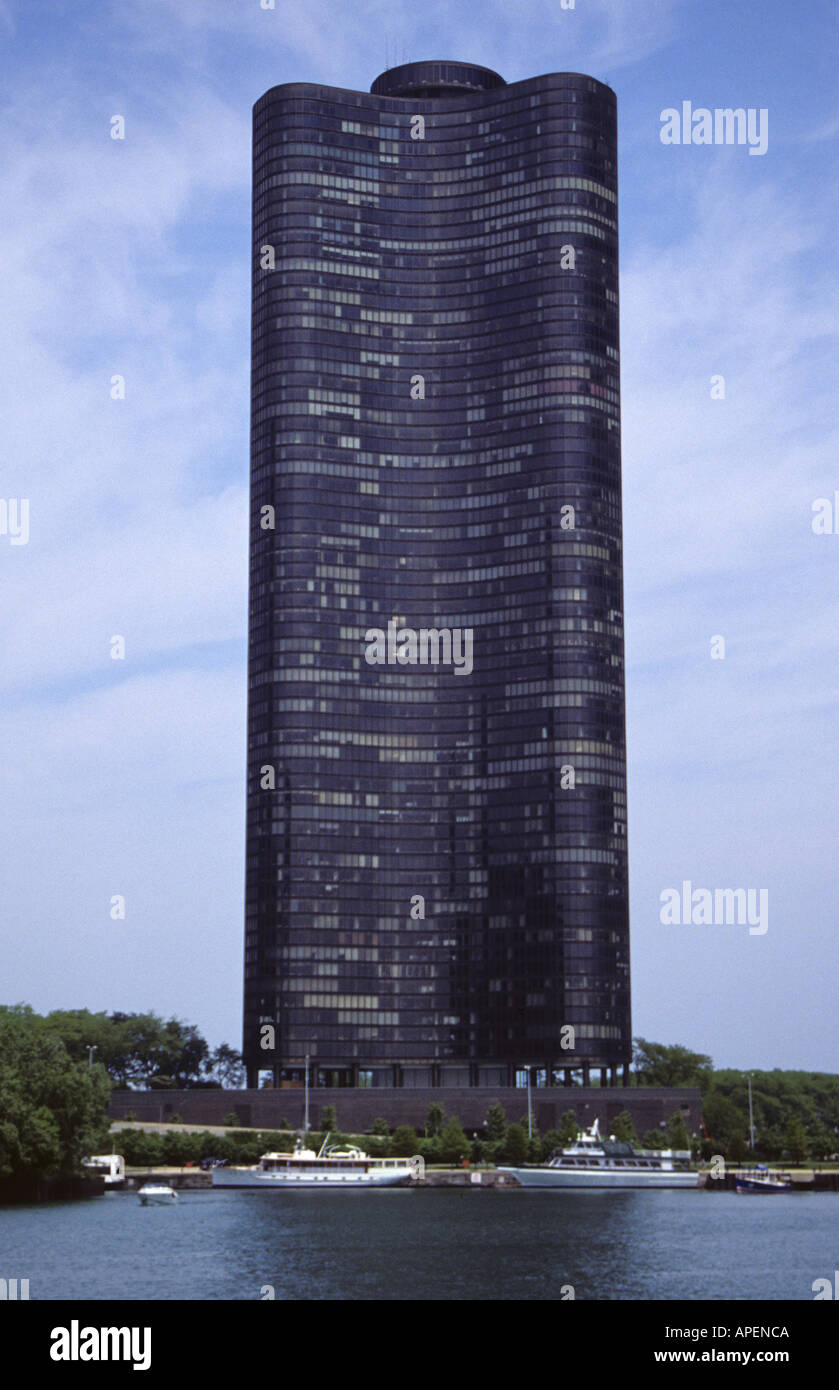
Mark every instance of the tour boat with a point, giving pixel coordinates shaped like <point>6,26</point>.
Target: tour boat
<point>596,1162</point>
<point>760,1179</point>
<point>155,1194</point>
<point>330,1168</point>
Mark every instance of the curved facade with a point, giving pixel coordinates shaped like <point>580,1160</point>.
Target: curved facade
<point>436,856</point>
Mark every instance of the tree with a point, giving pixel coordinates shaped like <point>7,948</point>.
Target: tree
<point>723,1121</point>
<point>795,1141</point>
<point>454,1145</point>
<point>656,1064</point>
<point>404,1142</point>
<point>496,1123</point>
<point>224,1066</point>
<point>623,1128</point>
<point>550,1142</point>
<point>140,1149</point>
<point>516,1145</point>
<point>654,1139</point>
<point>435,1119</point>
<point>328,1119</point>
<point>380,1126</point>
<point>569,1129</point>
<point>677,1133</point>
<point>53,1108</point>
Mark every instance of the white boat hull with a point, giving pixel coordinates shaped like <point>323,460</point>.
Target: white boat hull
<point>252,1177</point>
<point>603,1177</point>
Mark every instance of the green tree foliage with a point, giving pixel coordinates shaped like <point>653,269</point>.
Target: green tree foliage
<point>328,1119</point>
<point>623,1128</point>
<point>139,1148</point>
<point>404,1142</point>
<point>534,1149</point>
<point>550,1142</point>
<point>795,1140</point>
<point>435,1119</point>
<point>516,1145</point>
<point>569,1128</point>
<point>496,1123</point>
<point>724,1122</point>
<point>145,1049</point>
<point>52,1109</point>
<point>224,1066</point>
<point>656,1064</point>
<point>654,1139</point>
<point>677,1132</point>
<point>380,1126</point>
<point>454,1145</point>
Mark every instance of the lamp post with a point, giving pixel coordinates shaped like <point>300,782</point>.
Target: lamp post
<point>90,1052</point>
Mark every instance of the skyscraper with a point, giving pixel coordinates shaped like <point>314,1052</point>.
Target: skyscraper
<point>436,837</point>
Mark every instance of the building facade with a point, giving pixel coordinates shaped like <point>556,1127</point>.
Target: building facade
<point>436,878</point>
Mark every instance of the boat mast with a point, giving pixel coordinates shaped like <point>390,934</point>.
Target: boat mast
<point>306,1085</point>
<point>751,1116</point>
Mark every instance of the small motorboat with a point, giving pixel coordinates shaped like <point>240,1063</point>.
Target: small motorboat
<point>760,1179</point>
<point>153,1194</point>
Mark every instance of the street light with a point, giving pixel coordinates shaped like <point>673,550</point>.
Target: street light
<point>90,1052</point>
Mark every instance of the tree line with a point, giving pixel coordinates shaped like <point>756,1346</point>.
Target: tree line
<point>57,1072</point>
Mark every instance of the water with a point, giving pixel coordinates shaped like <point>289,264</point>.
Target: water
<point>403,1244</point>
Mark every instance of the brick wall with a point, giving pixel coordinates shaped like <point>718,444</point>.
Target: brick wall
<point>357,1108</point>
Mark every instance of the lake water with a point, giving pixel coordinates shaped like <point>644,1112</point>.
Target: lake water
<point>404,1244</point>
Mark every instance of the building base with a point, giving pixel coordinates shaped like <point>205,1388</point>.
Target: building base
<point>357,1107</point>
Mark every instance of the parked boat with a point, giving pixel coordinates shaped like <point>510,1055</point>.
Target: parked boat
<point>111,1167</point>
<point>329,1168</point>
<point>596,1162</point>
<point>154,1194</point>
<point>761,1179</point>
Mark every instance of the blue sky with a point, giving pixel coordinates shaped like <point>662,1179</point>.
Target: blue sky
<point>132,257</point>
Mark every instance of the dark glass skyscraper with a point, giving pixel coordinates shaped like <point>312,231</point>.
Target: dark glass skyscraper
<point>436,848</point>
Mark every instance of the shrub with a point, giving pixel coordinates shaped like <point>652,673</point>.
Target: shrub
<point>454,1146</point>
<point>515,1146</point>
<point>139,1149</point>
<point>404,1142</point>
<point>496,1122</point>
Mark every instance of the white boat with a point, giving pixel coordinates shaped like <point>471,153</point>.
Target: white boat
<point>596,1162</point>
<point>330,1168</point>
<point>155,1194</point>
<point>111,1167</point>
